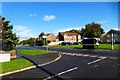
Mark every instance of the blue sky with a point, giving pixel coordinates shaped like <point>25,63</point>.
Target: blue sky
<point>60,0</point>
<point>31,18</point>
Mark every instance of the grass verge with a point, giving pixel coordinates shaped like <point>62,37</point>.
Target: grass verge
<point>109,46</point>
<point>15,64</point>
<point>33,52</point>
<point>101,46</point>
<point>69,46</point>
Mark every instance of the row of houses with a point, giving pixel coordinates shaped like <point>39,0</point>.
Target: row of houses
<point>75,37</point>
<point>62,36</point>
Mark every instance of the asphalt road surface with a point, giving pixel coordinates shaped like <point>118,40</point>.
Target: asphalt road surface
<point>83,51</point>
<point>73,67</point>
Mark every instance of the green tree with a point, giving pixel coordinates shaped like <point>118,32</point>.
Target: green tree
<point>41,34</point>
<point>82,31</point>
<point>92,30</point>
<point>23,42</point>
<point>31,41</point>
<point>9,39</point>
<point>74,31</point>
<point>28,41</point>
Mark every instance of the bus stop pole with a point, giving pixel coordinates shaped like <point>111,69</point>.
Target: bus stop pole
<point>46,45</point>
<point>112,41</point>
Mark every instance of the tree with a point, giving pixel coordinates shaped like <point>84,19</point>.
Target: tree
<point>23,42</point>
<point>31,41</point>
<point>82,31</point>
<point>74,31</point>
<point>41,34</point>
<point>28,41</point>
<point>92,30</point>
<point>9,39</point>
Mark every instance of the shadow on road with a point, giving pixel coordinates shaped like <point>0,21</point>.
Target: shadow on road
<point>48,72</point>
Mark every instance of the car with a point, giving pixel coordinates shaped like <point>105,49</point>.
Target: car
<point>65,43</point>
<point>77,43</point>
<point>31,44</point>
<point>80,42</point>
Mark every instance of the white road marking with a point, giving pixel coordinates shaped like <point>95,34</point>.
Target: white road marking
<point>101,57</point>
<point>51,61</point>
<point>76,54</point>
<point>93,56</point>
<point>79,54</point>
<point>61,73</point>
<point>85,55</point>
<point>72,54</point>
<point>96,60</point>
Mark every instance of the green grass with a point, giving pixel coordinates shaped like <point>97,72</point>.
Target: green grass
<point>33,52</point>
<point>101,46</point>
<point>109,47</point>
<point>69,46</point>
<point>15,64</point>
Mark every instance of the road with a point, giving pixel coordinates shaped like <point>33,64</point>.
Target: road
<point>108,53</point>
<point>73,67</point>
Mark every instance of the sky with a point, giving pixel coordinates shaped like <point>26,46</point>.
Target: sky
<point>29,19</point>
<point>60,0</point>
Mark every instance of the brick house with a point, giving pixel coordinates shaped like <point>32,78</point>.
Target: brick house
<point>107,37</point>
<point>69,37</point>
<point>51,37</point>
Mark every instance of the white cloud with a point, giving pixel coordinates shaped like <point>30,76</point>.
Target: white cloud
<point>70,28</point>
<point>49,17</point>
<point>20,28</point>
<point>32,15</point>
<point>24,32</point>
<point>115,28</point>
<point>103,22</point>
<point>67,29</point>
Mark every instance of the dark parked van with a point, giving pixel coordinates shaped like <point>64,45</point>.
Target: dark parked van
<point>89,43</point>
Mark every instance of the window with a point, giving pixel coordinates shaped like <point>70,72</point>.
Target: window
<point>108,35</point>
<point>65,36</point>
<point>108,41</point>
<point>116,35</point>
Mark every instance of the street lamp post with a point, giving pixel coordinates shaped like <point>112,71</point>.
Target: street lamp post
<point>34,42</point>
<point>45,41</point>
<point>46,45</point>
<point>112,41</point>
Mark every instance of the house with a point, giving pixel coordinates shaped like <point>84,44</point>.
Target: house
<point>51,37</point>
<point>69,37</point>
<point>107,37</point>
